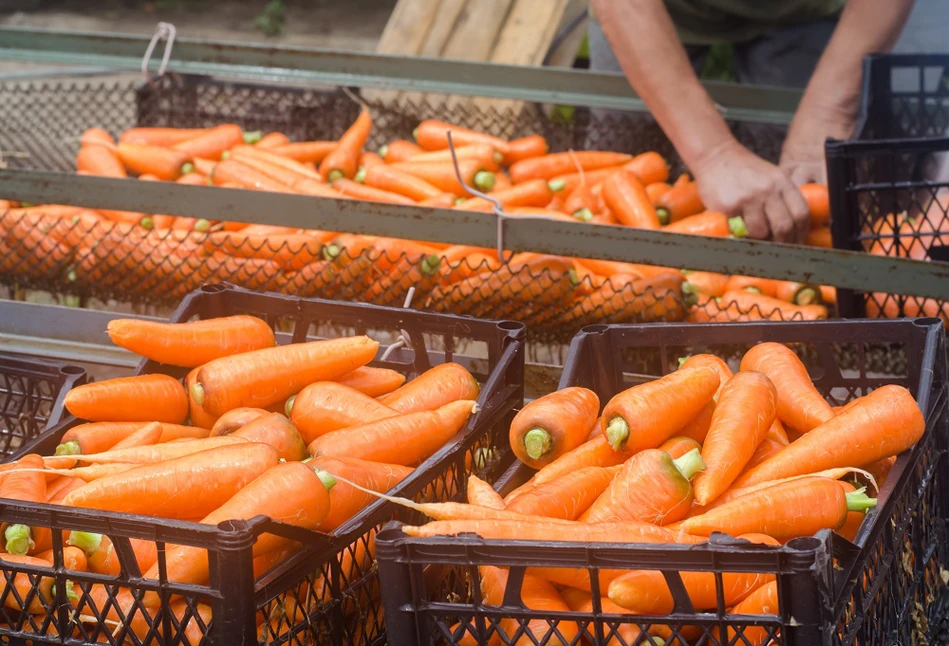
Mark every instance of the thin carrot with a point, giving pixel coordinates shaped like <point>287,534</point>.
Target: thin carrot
<point>553,425</point>
<point>374,382</point>
<point>211,143</point>
<point>352,189</point>
<point>680,202</point>
<point>627,199</point>
<point>478,492</point>
<point>95,437</point>
<point>400,150</point>
<point>343,160</point>
<point>163,163</point>
<point>818,203</point>
<point>234,420</point>
<point>647,415</point>
<point>159,136</point>
<point>697,428</point>
<point>763,601</point>
<point>800,405</point>
<point>191,344</point>
<point>100,160</point>
<point>486,156</point>
<point>432,389</point>
<point>784,511</point>
<point>555,164</point>
<point>709,223</point>
<point>305,151</point>
<point>345,500</point>
<point>275,430</point>
<point>797,293</point>
<point>678,446</point>
<point>147,454</point>
<point>594,453</point>
<point>144,398</point>
<point>525,148</point>
<point>431,135</point>
<point>390,179</point>
<point>758,306</point>
<point>273,140</point>
<point>326,406</point>
<point>275,160</point>
<point>36,592</point>
<point>232,171</point>
<point>444,177</point>
<point>290,493</point>
<point>569,182</point>
<point>746,407</point>
<point>25,483</point>
<point>755,284</point>
<point>649,168</point>
<point>565,497</point>
<point>264,377</point>
<point>530,193</point>
<point>148,434</point>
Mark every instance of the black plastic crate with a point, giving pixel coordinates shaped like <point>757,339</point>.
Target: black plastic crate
<point>31,399</point>
<point>886,588</point>
<point>333,576</point>
<point>889,188</point>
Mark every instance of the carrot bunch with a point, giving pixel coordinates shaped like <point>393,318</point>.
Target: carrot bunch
<point>303,433</point>
<point>700,450</point>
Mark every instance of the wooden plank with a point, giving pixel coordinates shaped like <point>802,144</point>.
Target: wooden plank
<point>445,20</point>
<point>565,52</point>
<point>404,34</point>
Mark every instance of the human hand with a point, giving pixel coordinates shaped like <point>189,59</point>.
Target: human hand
<point>735,181</point>
<point>802,156</point>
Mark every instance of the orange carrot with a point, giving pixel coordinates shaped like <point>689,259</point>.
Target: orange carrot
<point>232,171</point>
<point>486,156</point>
<point>442,201</point>
<point>326,406</point>
<point>444,177</point>
<point>26,483</point>
<point>647,415</point>
<point>264,377</point>
<point>697,428</point>
<point>624,634</point>
<point>820,237</point>
<point>374,382</point>
<point>431,135</point>
<point>569,182</point>
<point>432,389</point>
<point>146,454</point>
<point>566,497</point>
<point>36,592</point>
<point>709,223</point>
<point>707,282</point>
<point>96,137</point>
<point>543,529</point>
<point>530,193</point>
<point>678,446</point>
<point>657,190</point>
<point>555,164</point>
<point>765,286</point>
<point>390,179</point>
<point>236,419</point>
<point>277,431</point>
<point>130,399</point>
<point>649,168</point>
<point>274,160</point>
<point>211,143</point>
<point>593,453</point>
<point>148,434</point>
<point>163,163</point>
<point>355,190</point>
<point>800,405</point>
<point>273,140</point>
<point>627,199</point>
<point>99,160</point>
<point>95,437</point>
<point>478,492</point>
<point>305,152</point>
<point>680,202</point>
<point>746,408</point>
<point>764,451</point>
<point>400,150</point>
<point>797,293</point>
<point>191,344</point>
<point>342,161</point>
<point>818,203</point>
<point>763,601</point>
<point>159,136</point>
<point>880,469</point>
<point>553,425</point>
<point>345,500</point>
<point>525,148</point>
<point>105,560</point>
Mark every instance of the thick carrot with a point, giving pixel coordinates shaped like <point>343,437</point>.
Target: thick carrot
<point>647,415</point>
<point>191,344</point>
<point>305,152</point>
<point>678,446</point>
<point>765,307</point>
<point>569,182</point>
<point>368,159</point>
<point>100,160</point>
<point>432,389</point>
<point>820,237</point>
<point>566,497</point>
<point>763,601</point>
<point>797,293</point>
<point>234,420</point>
<point>530,193</point>
<point>163,163</point>
<point>765,450</point>
<point>478,492</point>
<point>432,135</point>
<point>197,416</point>
<point>95,437</point>
<point>290,492</point>
<point>746,408</point>
<point>390,179</point>
<point>355,190</point>
<point>442,175</point>
<point>374,382</point>
<point>697,428</point>
<point>96,137</point>
<point>400,150</point>
<point>326,406</point>
<point>755,284</point>
<point>884,423</point>
<point>345,500</point>
<point>148,434</point>
<point>105,560</point>
<point>800,405</point>
<point>159,136</point>
<point>627,199</point>
<point>707,282</point>
<point>277,431</point>
<point>649,168</point>
<point>784,511</point>
<point>553,425</point>
<point>525,148</point>
<point>33,590</point>
<point>25,483</point>
<point>264,377</point>
<point>554,164</point>
<point>130,399</point>
<point>486,156</point>
<point>211,143</point>
<point>709,223</point>
<point>657,190</point>
<point>818,203</point>
<point>650,487</point>
<point>680,202</point>
<point>581,203</point>
<point>343,160</point>
<point>273,140</point>
<point>190,486</point>
<point>275,161</point>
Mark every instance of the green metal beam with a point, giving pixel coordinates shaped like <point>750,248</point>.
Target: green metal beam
<point>733,256</point>
<point>357,69</point>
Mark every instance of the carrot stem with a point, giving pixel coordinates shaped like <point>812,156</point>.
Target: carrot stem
<point>197,393</point>
<point>326,478</point>
<point>18,539</point>
<point>690,464</point>
<point>484,180</point>
<point>68,448</point>
<point>187,168</point>
<point>617,432</point>
<point>253,136</point>
<point>86,541</point>
<point>584,214</point>
<point>737,226</point>
<point>537,442</point>
<point>360,175</point>
<point>859,500</point>
<point>556,185</point>
<point>808,296</point>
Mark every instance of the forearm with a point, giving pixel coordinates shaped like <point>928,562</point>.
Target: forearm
<point>648,49</point>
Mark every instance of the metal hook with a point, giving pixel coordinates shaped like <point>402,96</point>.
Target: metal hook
<point>403,340</point>
<point>164,30</point>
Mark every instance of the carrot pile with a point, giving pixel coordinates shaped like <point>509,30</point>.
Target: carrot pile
<point>164,257</point>
<point>759,454</point>
<point>254,428</point>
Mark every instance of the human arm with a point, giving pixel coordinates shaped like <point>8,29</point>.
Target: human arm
<point>832,99</point>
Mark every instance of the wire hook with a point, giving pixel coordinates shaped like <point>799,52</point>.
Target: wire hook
<point>164,30</point>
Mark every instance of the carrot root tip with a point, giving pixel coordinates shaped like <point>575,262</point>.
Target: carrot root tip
<point>584,214</point>
<point>253,136</point>
<point>737,226</point>
<point>484,180</point>
<point>383,151</point>
<point>663,216</point>
<point>187,168</point>
<point>326,478</point>
<point>86,541</point>
<point>690,464</point>
<point>68,448</point>
<point>360,175</point>
<point>537,443</point>
<point>859,500</point>
<point>197,394</point>
<point>617,432</point>
<point>18,539</point>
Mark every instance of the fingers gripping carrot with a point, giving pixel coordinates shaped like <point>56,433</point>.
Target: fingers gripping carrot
<point>552,425</point>
<point>144,398</point>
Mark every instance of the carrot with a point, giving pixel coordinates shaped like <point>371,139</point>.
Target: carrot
<point>104,559</point>
<point>594,453</point>
<point>707,282</point>
<point>626,299</point>
<point>566,497</point>
<point>351,189</point>
<point>263,377</point>
<point>646,591</point>
<point>432,389</point>
<point>95,437</point>
<point>828,294</point>
<point>148,434</point>
<point>649,168</point>
<point>342,161</point>
<point>800,405</point>
<point>486,156</point>
<point>211,143</point>
<point>763,601</point>
<point>478,492</point>
<point>33,591</point>
<point>581,203</point>
<point>163,163</point>
<point>697,428</point>
<point>191,344</point>
<point>541,595</point>
<point>368,159</point>
<point>277,431</point>
<point>568,182</point>
<point>146,454</point>
<point>444,177</point>
<point>680,202</point>
<point>423,273</point>
<point>880,469</point>
<point>442,201</point>
<point>646,415</point>
<point>554,164</point>
<point>525,148</point>
<point>624,634</point>
<point>190,486</point>
<point>235,419</point>
<point>552,425</point>
<point>797,293</point>
<point>96,137</point>
<point>326,406</point>
<point>289,492</point>
<point>530,193</point>
<point>345,500</point>
<point>397,181</point>
<point>374,382</point>
<point>25,483</point>
<point>232,171</point>
<point>57,489</point>
<point>432,135</point>
<point>290,251</point>
<point>709,223</point>
<point>305,152</point>
<point>100,160</point>
<point>765,307</point>
<point>765,286</point>
<point>130,399</point>
<point>820,237</point>
<point>657,190</point>
<point>273,140</point>
<point>746,407</point>
<point>89,473</point>
<point>400,150</point>
<point>818,203</point>
<point>159,136</point>
<point>73,558</point>
<point>678,446</point>
<point>784,511</point>
<point>275,161</point>
<point>627,199</point>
